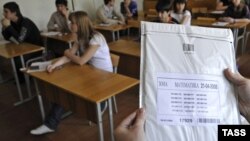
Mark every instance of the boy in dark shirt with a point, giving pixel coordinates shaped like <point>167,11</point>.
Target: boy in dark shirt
<point>223,4</point>
<point>17,28</point>
<point>237,12</point>
<point>163,8</point>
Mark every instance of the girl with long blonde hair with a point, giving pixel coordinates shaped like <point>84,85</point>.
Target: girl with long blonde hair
<point>93,50</point>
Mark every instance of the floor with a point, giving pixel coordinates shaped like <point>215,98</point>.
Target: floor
<point>16,122</point>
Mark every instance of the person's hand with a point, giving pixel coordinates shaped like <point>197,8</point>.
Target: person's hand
<point>228,19</point>
<point>65,13</point>
<point>67,53</point>
<point>121,22</point>
<point>5,22</point>
<point>129,15</point>
<point>131,128</point>
<point>50,68</point>
<point>126,4</point>
<point>243,87</point>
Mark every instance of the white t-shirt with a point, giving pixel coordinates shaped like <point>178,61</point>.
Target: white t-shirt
<point>101,58</point>
<point>179,17</point>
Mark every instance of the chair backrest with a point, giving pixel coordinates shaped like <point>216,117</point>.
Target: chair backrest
<point>209,4</point>
<point>115,61</point>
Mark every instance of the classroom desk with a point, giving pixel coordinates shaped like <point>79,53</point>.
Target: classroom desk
<point>81,89</point>
<point>235,27</point>
<point>112,29</point>
<point>2,80</point>
<point>136,22</point>
<point>68,38</point>
<point>11,50</point>
<point>129,52</point>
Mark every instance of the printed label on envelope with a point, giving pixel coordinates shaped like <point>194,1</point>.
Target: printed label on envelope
<point>188,99</point>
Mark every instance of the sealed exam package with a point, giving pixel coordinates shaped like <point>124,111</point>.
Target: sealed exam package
<point>183,88</point>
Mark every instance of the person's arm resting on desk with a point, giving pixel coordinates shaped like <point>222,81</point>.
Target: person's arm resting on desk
<point>9,31</point>
<point>81,60</point>
<point>120,17</point>
<point>105,19</point>
<point>63,59</point>
<point>51,23</point>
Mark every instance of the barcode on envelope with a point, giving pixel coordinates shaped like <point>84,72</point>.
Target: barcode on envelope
<point>208,120</point>
<point>188,47</point>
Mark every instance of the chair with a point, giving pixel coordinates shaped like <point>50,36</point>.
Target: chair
<point>115,62</point>
<point>198,11</point>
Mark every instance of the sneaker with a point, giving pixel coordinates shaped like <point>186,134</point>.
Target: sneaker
<point>43,129</point>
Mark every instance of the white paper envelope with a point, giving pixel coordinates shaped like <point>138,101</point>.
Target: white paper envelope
<point>182,87</point>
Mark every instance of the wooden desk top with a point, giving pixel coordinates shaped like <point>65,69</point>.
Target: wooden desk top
<point>208,23</point>
<point>127,47</point>
<point>87,82</point>
<point>112,28</point>
<point>11,50</point>
<point>70,37</point>
<point>136,22</point>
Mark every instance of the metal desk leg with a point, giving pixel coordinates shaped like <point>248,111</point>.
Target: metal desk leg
<point>111,124</point>
<point>113,35</point>
<point>99,121</point>
<point>17,83</point>
<point>27,80</point>
<point>40,100</point>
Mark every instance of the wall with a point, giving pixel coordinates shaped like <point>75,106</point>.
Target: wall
<point>40,10</point>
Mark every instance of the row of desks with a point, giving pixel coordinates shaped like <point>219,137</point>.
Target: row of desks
<point>78,88</point>
<point>135,22</point>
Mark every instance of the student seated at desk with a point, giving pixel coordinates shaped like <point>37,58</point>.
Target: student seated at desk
<point>237,12</point>
<point>223,4</point>
<point>129,8</point>
<point>180,13</point>
<point>58,22</point>
<point>17,28</point>
<point>107,13</point>
<point>59,19</point>
<point>163,8</point>
<point>93,50</point>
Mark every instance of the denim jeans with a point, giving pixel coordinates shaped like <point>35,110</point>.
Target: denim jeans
<point>54,117</point>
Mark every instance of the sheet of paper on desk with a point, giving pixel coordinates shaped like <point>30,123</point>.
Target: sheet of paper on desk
<point>4,42</point>
<point>38,66</point>
<point>217,12</point>
<point>182,87</point>
<point>52,33</point>
<point>105,24</point>
<point>220,23</point>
